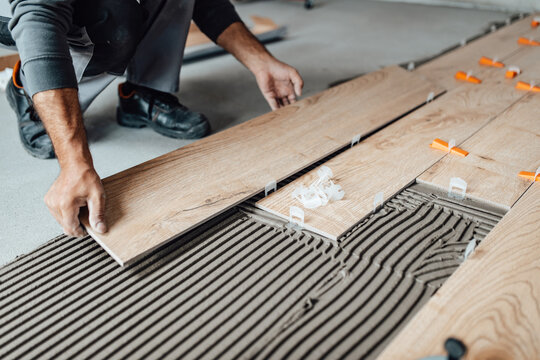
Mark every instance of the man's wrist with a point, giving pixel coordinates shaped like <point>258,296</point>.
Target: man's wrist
<point>258,62</point>
<point>75,154</point>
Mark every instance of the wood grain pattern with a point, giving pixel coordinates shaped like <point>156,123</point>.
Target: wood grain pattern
<point>491,302</point>
<point>497,153</point>
<point>501,44</point>
<point>395,156</point>
<point>260,26</point>
<point>153,202</point>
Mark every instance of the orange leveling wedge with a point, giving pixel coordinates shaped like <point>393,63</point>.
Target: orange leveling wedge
<point>442,145</point>
<point>490,62</point>
<point>462,75</point>
<point>512,72</point>
<point>525,41</point>
<point>521,85</point>
<point>529,175</point>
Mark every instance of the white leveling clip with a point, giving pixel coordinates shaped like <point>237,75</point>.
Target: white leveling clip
<point>378,200</point>
<point>470,248</point>
<point>451,144</point>
<point>296,217</point>
<point>457,184</point>
<point>320,192</point>
<point>410,66</point>
<point>356,139</point>
<point>271,186</point>
<point>430,97</point>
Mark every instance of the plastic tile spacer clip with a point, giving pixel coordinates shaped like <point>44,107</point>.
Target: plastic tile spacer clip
<point>528,41</point>
<point>271,186</point>
<point>378,200</point>
<point>457,184</point>
<point>521,85</point>
<point>530,175</point>
<point>467,76</point>
<point>296,218</point>
<point>512,72</point>
<point>430,97</point>
<point>356,139</point>
<point>485,61</point>
<point>535,22</point>
<point>448,147</point>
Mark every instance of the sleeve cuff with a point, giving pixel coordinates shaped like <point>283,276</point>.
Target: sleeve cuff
<point>48,73</point>
<point>214,16</point>
<point>221,23</point>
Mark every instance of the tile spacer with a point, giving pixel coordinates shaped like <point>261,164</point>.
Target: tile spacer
<point>469,249</point>
<point>410,66</point>
<point>467,76</point>
<point>296,218</point>
<point>530,175</point>
<point>535,22</point>
<point>378,200</point>
<point>430,97</point>
<point>485,61</point>
<point>528,41</point>
<point>356,139</point>
<point>521,85</point>
<point>271,186</point>
<point>458,184</point>
<point>448,147</point>
<point>512,72</point>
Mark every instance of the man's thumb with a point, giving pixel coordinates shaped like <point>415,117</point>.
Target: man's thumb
<point>96,213</point>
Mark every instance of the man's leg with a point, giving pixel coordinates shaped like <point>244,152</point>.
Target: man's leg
<point>147,99</point>
<point>158,59</point>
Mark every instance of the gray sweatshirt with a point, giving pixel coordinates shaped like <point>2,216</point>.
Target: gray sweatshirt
<point>45,29</point>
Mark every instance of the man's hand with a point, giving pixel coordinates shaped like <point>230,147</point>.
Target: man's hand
<point>280,83</point>
<point>77,186</point>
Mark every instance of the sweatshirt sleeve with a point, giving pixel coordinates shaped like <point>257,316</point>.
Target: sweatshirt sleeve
<point>214,16</point>
<point>40,29</point>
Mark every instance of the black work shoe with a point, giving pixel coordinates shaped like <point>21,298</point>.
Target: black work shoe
<point>31,130</point>
<point>140,106</point>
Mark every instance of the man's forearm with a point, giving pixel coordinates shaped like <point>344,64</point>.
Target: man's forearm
<point>60,112</point>
<point>240,42</point>
<point>78,184</point>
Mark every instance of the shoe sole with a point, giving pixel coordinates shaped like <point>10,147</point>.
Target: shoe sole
<point>133,121</point>
<point>44,154</point>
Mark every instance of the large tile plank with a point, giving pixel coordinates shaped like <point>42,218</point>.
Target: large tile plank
<point>497,153</point>
<point>150,204</point>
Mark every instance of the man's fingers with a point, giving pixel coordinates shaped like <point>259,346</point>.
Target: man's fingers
<point>78,232</point>
<point>298,83</point>
<point>96,213</point>
<point>272,102</point>
<point>292,98</point>
<point>70,220</point>
<point>285,101</point>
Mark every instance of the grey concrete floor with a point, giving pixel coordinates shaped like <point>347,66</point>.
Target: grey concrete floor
<point>338,39</point>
